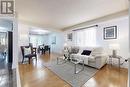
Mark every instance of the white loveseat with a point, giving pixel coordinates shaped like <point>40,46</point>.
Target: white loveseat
<point>97,57</point>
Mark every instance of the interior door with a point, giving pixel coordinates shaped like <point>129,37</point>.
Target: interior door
<point>10,47</point>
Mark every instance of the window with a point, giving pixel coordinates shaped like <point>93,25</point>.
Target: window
<point>37,40</point>
<point>85,37</point>
<point>3,37</point>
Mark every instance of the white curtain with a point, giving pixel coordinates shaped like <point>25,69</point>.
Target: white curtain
<point>85,37</point>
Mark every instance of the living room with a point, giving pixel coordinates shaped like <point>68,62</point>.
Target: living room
<point>87,46</point>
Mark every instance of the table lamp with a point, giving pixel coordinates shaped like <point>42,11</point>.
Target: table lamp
<point>65,46</point>
<point>114,48</point>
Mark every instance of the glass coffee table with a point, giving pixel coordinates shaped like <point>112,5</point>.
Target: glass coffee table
<point>75,61</point>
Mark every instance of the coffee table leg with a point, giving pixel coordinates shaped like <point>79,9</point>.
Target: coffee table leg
<point>75,70</point>
<point>83,64</point>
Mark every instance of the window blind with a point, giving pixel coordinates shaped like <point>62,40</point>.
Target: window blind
<point>85,37</point>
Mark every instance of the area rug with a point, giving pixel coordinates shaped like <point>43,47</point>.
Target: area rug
<point>66,72</point>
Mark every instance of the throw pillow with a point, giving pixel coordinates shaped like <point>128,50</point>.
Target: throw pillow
<point>86,52</point>
<point>74,50</point>
<point>27,51</point>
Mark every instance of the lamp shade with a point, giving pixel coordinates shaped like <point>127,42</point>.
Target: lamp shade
<point>114,46</point>
<point>65,44</point>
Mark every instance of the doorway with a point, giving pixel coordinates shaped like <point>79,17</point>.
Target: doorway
<point>6,44</point>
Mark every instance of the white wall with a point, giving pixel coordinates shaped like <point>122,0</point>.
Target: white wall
<point>70,43</point>
<point>57,48</point>
<point>15,44</point>
<point>23,37</point>
<point>122,37</point>
<point>23,32</point>
<point>45,39</point>
<point>15,51</point>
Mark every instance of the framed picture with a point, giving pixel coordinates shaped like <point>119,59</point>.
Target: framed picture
<point>110,32</point>
<point>69,37</point>
<point>53,40</point>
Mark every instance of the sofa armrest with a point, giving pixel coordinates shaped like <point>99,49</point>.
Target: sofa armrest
<point>97,61</point>
<point>101,60</point>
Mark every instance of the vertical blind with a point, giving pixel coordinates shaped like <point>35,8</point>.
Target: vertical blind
<point>85,37</point>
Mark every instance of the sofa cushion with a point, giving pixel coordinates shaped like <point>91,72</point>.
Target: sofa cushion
<point>86,52</point>
<point>85,48</point>
<point>97,51</point>
<point>27,51</point>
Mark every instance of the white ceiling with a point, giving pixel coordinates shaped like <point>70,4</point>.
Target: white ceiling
<point>59,14</point>
<point>39,31</point>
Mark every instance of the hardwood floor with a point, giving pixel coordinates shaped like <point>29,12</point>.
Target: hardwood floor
<point>36,75</point>
<point>109,76</point>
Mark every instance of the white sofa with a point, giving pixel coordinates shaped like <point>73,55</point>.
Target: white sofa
<point>97,57</point>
